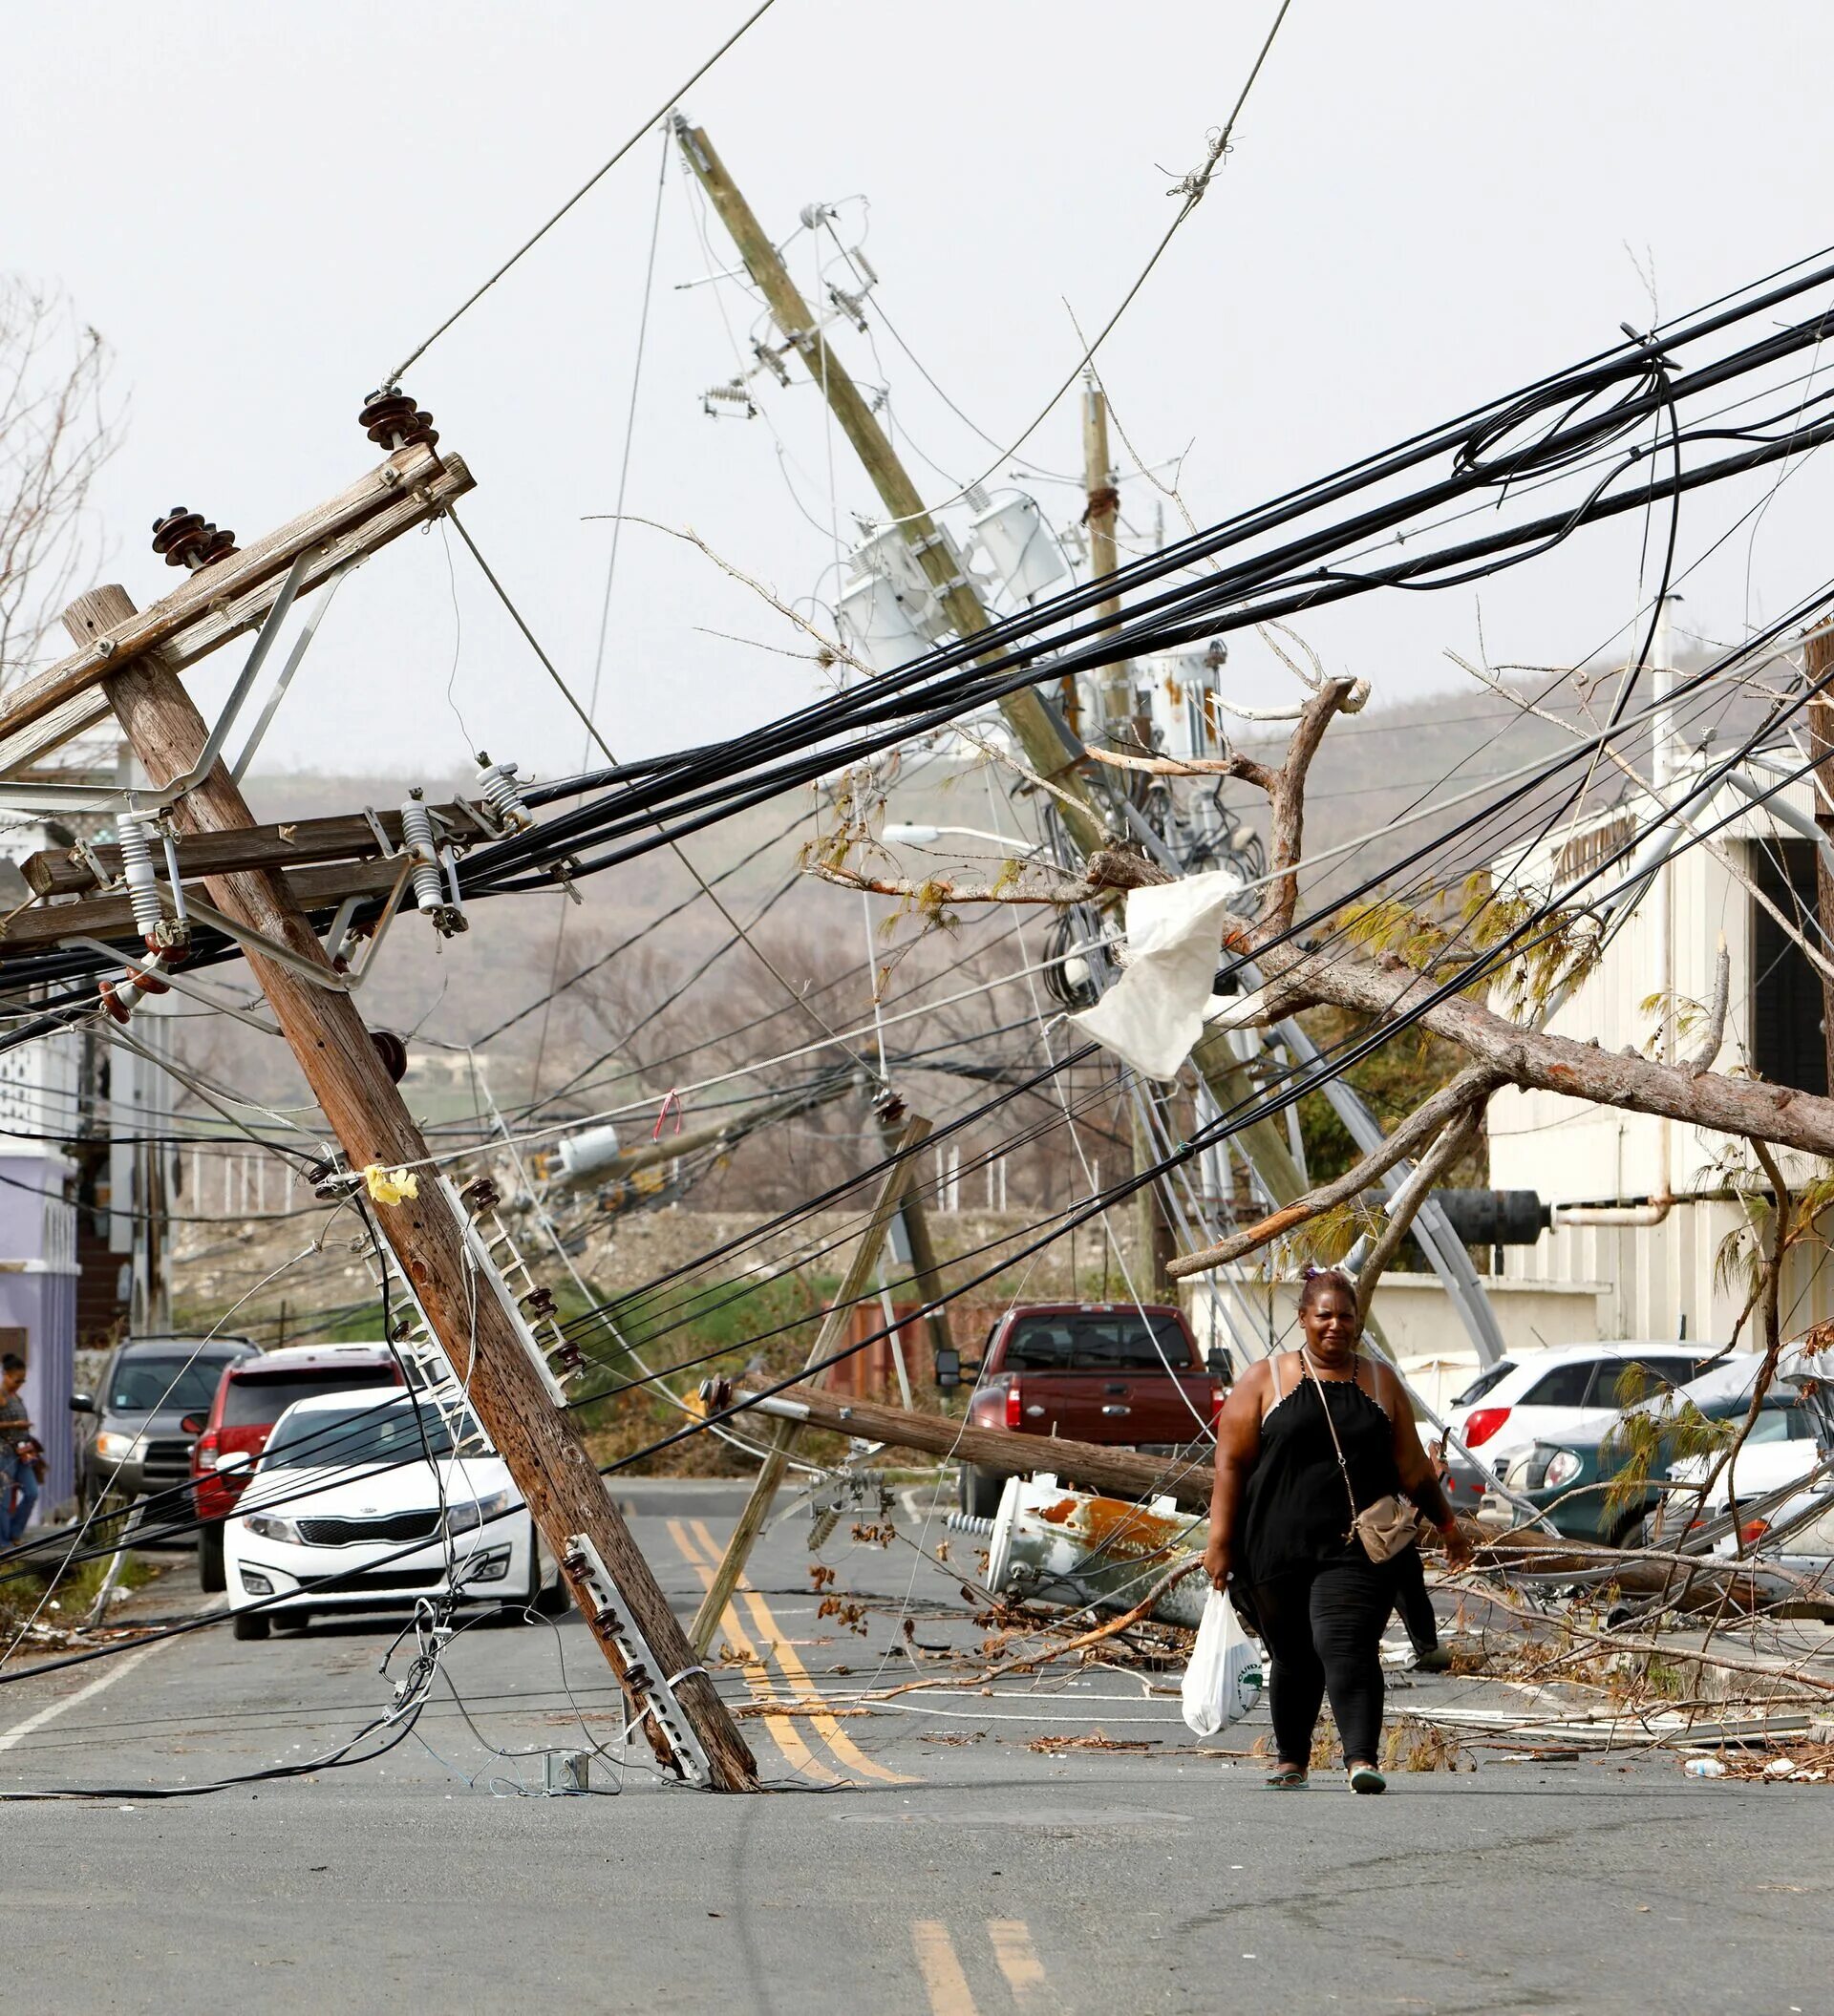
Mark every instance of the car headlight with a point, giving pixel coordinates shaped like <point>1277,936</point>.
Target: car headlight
<point>490,1567</point>
<point>114,1447</point>
<point>1563,1467</point>
<point>461,1519</point>
<point>272,1528</point>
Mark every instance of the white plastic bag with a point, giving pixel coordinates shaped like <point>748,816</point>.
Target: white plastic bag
<point>1222,1681</point>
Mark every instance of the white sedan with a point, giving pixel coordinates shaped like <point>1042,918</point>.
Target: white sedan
<point>349,1482</point>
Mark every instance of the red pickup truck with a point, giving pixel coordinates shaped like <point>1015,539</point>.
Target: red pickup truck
<point>1092,1372</point>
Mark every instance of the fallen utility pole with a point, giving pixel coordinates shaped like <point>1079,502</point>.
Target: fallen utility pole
<point>776,1457</point>
<point>1186,1481</point>
<point>434,1235</point>
<point>670,1147</point>
<point>1052,752</point>
<point>1114,1473</point>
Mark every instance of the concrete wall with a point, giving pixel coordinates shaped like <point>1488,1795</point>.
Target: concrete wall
<point>1657,1277</point>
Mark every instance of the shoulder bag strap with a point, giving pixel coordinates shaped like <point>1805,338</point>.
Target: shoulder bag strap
<point>1350,1491</point>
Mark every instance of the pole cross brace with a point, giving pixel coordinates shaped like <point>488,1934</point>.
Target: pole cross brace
<point>644,1679</point>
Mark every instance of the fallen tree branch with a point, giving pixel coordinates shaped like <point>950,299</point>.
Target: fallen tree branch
<point>1532,1059</point>
<point>1416,1130</point>
<point>1231,765</point>
<point>1404,1206</point>
<point>1107,870</point>
<point>936,891</point>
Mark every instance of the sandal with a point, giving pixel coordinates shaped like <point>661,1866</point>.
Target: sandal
<point>1288,1778</point>
<point>1365,1777</point>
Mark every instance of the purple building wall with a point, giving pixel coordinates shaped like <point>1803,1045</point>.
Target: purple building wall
<point>38,1299</point>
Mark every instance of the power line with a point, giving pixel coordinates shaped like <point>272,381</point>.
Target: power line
<point>591,183</point>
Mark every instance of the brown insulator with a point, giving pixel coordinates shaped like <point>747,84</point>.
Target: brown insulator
<point>392,421</point>
<point>479,1196</point>
<point>392,1052</point>
<point>187,541</point>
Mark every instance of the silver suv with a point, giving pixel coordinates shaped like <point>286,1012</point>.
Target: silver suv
<point>153,1387</point>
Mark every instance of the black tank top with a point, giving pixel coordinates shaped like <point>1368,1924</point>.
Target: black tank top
<point>1296,1510</point>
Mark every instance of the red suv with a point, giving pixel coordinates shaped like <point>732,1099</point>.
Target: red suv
<point>252,1396</point>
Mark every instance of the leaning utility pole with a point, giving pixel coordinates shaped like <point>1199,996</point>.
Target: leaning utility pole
<point>1053,754</point>
<point>1102,510</point>
<point>909,1137</point>
<point>1155,1244</point>
<point>1048,746</point>
<point>442,1240</point>
<point>1818,658</point>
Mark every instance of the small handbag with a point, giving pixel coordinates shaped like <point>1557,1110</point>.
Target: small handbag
<point>1388,1526</point>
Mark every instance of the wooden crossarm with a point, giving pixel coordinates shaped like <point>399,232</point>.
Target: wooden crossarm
<point>209,607</point>
<point>292,844</point>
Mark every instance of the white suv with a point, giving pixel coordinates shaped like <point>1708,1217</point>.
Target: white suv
<point>1540,1395</point>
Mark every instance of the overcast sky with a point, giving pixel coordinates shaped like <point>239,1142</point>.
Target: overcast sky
<point>265,208</point>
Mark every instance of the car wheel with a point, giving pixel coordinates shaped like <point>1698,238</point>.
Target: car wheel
<point>210,1574</point>
<point>1631,1531</point>
<point>981,1491</point>
<point>247,1626</point>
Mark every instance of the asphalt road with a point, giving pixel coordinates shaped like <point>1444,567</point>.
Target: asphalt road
<point>923,1857</point>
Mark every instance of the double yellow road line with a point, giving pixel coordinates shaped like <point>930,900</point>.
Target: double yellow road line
<point>946,1980</point>
<point>702,1552</point>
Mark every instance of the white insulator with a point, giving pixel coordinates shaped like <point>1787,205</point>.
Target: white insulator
<point>417,836</point>
<point>133,834</point>
<point>497,783</point>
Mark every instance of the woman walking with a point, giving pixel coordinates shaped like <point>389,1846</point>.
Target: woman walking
<point>1312,1451</point>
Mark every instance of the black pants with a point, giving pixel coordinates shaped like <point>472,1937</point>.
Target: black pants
<point>1413,1602</point>
<point>1322,1626</point>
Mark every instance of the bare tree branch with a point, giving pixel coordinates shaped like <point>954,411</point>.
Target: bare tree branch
<point>1407,1201</point>
<point>1418,1128</point>
<point>1528,1058</point>
<point>57,431</point>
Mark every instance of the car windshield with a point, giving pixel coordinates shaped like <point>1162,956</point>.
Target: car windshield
<point>1082,1343</point>
<point>1484,1382</point>
<point>141,1386</point>
<point>256,1399</point>
<point>1782,1424</point>
<point>336,1436</point>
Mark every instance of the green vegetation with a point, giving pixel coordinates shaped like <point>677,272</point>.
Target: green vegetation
<point>23,1591</point>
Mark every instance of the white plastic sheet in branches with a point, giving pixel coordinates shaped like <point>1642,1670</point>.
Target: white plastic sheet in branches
<point>1154,1012</point>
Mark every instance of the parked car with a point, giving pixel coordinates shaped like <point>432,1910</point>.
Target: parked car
<point>252,1396</point>
<point>1570,1479</point>
<point>1542,1395</point>
<point>1781,1450</point>
<point>346,1483</point>
<point>141,1445</point>
<point>1109,1372</point>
